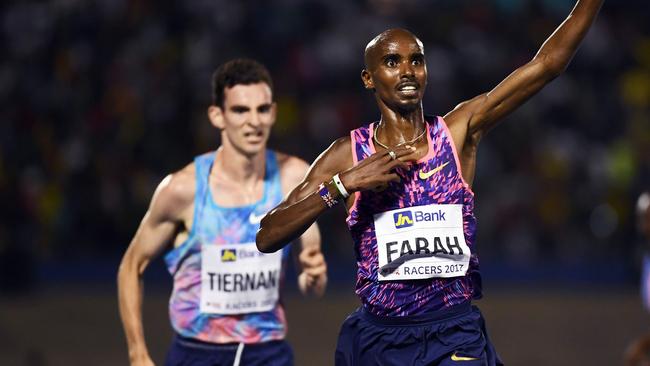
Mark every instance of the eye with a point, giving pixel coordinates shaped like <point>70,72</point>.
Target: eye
<point>391,63</point>
<point>239,110</point>
<point>264,109</point>
<point>417,60</point>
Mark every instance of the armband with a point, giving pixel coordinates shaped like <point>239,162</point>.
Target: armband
<point>326,196</point>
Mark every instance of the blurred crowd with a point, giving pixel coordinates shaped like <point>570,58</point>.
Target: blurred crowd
<point>100,99</point>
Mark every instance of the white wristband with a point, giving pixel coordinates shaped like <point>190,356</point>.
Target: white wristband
<point>339,185</point>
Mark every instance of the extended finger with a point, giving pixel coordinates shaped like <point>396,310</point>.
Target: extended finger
<point>401,162</point>
<point>390,166</point>
<point>407,154</point>
<point>404,150</point>
<point>399,153</point>
<point>379,155</point>
<point>395,153</point>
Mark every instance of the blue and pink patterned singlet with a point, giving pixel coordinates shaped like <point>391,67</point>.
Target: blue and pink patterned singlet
<point>221,303</point>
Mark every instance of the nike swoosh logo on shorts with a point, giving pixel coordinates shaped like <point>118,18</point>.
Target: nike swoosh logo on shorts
<point>255,219</point>
<point>426,175</point>
<point>455,357</point>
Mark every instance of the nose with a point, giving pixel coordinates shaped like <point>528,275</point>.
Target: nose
<point>255,119</point>
<point>406,69</point>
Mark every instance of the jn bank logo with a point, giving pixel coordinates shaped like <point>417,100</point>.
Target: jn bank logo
<point>228,255</point>
<point>403,219</point>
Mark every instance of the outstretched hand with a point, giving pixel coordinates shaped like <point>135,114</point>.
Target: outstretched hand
<point>378,169</point>
<point>313,278</point>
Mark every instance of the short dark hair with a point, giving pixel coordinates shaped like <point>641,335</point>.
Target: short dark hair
<point>238,71</point>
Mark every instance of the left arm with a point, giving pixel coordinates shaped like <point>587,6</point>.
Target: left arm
<point>483,112</point>
<point>312,268</point>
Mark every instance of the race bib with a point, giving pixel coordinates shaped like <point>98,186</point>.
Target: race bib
<point>421,242</point>
<point>239,279</point>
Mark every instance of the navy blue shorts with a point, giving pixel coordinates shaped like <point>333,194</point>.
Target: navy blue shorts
<point>192,352</point>
<point>455,337</point>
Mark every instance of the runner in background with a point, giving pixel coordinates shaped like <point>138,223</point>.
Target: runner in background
<point>225,306</point>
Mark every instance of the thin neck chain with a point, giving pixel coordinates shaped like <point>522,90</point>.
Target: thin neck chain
<point>374,137</point>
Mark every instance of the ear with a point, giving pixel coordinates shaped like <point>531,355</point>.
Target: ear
<point>215,114</point>
<point>366,78</point>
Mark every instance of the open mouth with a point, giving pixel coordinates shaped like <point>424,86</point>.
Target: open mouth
<point>408,87</point>
<point>254,136</point>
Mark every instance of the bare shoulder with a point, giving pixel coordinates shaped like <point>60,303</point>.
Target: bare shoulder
<point>175,193</point>
<point>288,162</point>
<point>463,112</point>
<point>292,168</point>
<point>459,121</point>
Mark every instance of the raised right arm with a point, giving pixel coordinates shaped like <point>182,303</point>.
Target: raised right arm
<point>157,230</point>
<point>303,205</point>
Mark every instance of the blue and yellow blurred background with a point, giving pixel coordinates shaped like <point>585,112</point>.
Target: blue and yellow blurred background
<point>101,99</point>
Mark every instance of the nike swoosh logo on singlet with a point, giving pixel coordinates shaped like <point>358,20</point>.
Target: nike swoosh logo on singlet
<point>455,357</point>
<point>426,175</point>
<point>255,219</point>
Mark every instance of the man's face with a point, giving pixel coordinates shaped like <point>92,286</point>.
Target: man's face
<point>396,70</point>
<point>246,118</point>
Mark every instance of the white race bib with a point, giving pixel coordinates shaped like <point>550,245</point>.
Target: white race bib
<point>239,279</point>
<point>421,242</point>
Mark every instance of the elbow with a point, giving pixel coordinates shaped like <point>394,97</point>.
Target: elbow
<point>130,267</point>
<point>549,64</point>
<point>271,235</point>
<point>123,272</point>
<point>262,241</point>
<point>267,237</point>
<point>261,238</point>
<point>553,65</point>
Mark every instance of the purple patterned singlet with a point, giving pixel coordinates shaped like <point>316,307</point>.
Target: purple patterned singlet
<point>445,187</point>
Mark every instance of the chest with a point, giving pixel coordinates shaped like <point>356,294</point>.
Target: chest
<point>235,194</point>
